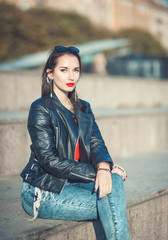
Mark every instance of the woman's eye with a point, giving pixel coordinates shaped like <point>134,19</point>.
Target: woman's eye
<point>63,70</point>
<point>77,70</point>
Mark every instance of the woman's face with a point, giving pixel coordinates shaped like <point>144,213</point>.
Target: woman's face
<point>66,74</point>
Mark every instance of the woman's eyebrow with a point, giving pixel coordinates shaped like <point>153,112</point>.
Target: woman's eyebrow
<point>67,67</point>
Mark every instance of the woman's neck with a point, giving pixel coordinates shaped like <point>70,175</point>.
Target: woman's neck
<point>63,98</point>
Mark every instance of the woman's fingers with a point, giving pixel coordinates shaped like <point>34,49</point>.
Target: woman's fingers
<point>103,183</point>
<point>96,184</point>
<point>103,191</point>
<point>119,170</point>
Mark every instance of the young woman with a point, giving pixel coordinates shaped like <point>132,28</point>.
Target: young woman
<point>70,174</point>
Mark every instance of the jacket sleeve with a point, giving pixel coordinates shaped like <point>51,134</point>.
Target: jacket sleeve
<point>44,145</point>
<point>99,152</point>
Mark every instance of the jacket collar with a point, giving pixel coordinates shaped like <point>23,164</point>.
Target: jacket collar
<point>54,96</point>
<point>83,118</point>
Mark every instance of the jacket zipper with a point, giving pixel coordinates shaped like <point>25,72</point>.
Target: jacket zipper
<point>84,177</point>
<point>56,137</point>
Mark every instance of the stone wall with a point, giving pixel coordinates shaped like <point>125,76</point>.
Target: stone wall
<point>125,135</point>
<point>20,88</point>
<point>128,135</point>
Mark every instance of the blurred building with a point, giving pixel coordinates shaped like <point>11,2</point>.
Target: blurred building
<point>150,15</point>
<point>146,14</point>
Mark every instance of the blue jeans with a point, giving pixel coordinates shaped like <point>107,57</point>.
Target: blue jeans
<point>79,202</point>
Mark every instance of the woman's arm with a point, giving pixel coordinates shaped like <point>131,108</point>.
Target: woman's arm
<point>101,160</point>
<point>44,145</point>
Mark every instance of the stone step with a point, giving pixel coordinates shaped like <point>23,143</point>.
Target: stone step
<point>126,133</point>
<point>147,208</point>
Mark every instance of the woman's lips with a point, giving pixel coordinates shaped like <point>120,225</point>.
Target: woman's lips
<point>70,84</point>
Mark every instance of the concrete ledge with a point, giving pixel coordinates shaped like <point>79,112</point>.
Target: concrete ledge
<point>14,146</point>
<point>147,214</point>
<point>148,217</point>
<point>20,88</point>
<point>126,133</point>
<point>130,132</point>
<point>147,208</point>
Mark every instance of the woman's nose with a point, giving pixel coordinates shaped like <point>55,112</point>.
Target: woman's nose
<point>71,75</point>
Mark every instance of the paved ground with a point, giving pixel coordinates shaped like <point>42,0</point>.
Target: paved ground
<point>146,174</point>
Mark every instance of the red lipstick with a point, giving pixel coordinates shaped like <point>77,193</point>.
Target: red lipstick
<point>70,84</point>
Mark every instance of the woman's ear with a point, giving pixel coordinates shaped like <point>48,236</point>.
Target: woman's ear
<point>49,73</point>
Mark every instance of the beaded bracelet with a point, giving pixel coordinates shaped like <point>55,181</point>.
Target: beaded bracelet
<point>105,169</point>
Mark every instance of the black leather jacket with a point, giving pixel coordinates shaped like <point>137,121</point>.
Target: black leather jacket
<point>54,136</point>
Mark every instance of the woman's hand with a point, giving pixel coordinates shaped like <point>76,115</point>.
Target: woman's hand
<point>103,180</point>
<point>120,171</point>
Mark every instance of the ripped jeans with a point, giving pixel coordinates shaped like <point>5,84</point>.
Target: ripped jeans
<point>79,202</point>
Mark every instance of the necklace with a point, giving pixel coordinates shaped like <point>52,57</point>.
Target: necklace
<point>71,106</point>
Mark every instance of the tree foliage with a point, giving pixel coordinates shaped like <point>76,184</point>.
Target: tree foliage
<point>39,29</point>
<point>143,42</point>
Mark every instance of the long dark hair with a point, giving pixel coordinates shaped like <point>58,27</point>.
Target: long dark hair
<point>51,64</point>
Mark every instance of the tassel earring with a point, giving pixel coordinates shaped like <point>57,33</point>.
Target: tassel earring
<point>75,94</point>
<point>51,88</point>
<point>50,82</point>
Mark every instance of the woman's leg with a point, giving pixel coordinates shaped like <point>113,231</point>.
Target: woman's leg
<point>78,201</point>
<point>74,203</point>
<point>112,211</point>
